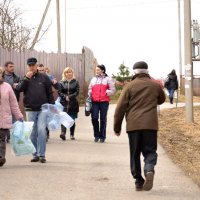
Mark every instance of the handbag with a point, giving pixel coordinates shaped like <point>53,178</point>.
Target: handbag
<point>88,106</point>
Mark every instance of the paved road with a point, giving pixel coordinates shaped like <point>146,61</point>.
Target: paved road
<point>84,170</point>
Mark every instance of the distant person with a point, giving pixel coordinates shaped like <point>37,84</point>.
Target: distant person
<point>47,71</point>
<point>100,89</point>
<point>171,84</point>
<point>10,77</point>
<point>8,107</point>
<point>37,90</point>
<point>41,69</point>
<point>138,103</point>
<point>69,91</point>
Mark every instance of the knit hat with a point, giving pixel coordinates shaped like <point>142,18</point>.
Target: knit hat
<point>102,67</point>
<point>140,65</point>
<point>31,61</point>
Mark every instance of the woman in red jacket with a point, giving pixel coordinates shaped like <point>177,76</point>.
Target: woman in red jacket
<point>100,88</point>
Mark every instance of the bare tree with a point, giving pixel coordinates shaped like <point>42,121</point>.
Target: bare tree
<point>13,35</point>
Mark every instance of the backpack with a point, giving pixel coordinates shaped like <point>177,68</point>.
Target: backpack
<point>166,82</point>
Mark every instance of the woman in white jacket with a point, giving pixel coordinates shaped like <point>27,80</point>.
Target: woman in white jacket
<point>100,88</point>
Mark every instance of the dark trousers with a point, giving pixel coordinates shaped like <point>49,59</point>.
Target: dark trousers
<point>102,108</point>
<point>72,129</point>
<point>145,142</point>
<point>3,134</point>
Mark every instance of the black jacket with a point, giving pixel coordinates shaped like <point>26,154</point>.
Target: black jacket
<point>37,91</point>
<point>172,82</point>
<point>16,79</point>
<point>70,89</point>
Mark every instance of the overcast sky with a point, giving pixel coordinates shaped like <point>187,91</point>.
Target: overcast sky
<point>115,30</point>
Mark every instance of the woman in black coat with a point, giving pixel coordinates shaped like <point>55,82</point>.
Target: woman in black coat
<point>171,84</point>
<point>68,91</point>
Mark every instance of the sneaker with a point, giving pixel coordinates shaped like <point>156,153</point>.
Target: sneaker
<point>42,159</point>
<point>35,159</point>
<point>72,137</point>
<point>148,184</point>
<point>102,140</point>
<point>2,161</point>
<point>96,139</point>
<point>62,136</point>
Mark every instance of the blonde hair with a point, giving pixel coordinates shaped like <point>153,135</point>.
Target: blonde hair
<point>67,69</point>
<point>1,72</point>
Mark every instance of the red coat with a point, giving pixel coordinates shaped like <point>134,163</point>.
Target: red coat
<point>100,88</point>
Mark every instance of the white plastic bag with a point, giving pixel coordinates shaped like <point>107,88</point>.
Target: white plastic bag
<point>59,105</point>
<point>20,138</point>
<point>66,120</point>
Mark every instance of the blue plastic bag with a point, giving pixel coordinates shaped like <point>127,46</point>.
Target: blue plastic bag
<point>20,138</point>
<point>53,122</point>
<point>53,114</point>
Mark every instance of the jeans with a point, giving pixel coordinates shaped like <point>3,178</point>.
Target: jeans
<point>145,142</point>
<point>171,93</point>
<point>102,108</point>
<point>38,134</point>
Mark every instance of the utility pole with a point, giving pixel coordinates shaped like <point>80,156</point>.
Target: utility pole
<point>40,25</point>
<point>58,25</point>
<point>65,25</point>
<point>180,47</point>
<point>188,62</point>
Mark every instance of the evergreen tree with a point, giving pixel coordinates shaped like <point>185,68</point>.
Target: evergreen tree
<point>122,76</point>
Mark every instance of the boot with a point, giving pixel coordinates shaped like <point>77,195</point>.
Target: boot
<point>72,129</point>
<point>62,136</point>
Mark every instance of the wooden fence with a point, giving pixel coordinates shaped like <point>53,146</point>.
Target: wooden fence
<point>83,63</point>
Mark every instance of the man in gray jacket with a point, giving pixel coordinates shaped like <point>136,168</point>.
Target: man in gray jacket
<point>138,103</point>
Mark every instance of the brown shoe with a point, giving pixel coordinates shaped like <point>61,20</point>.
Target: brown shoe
<point>35,159</point>
<point>148,184</point>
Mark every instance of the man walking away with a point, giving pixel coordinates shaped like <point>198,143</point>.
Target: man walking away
<point>138,103</point>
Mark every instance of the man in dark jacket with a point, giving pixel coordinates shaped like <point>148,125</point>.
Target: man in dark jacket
<point>37,90</point>
<point>138,102</point>
<point>171,83</point>
<point>10,77</point>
